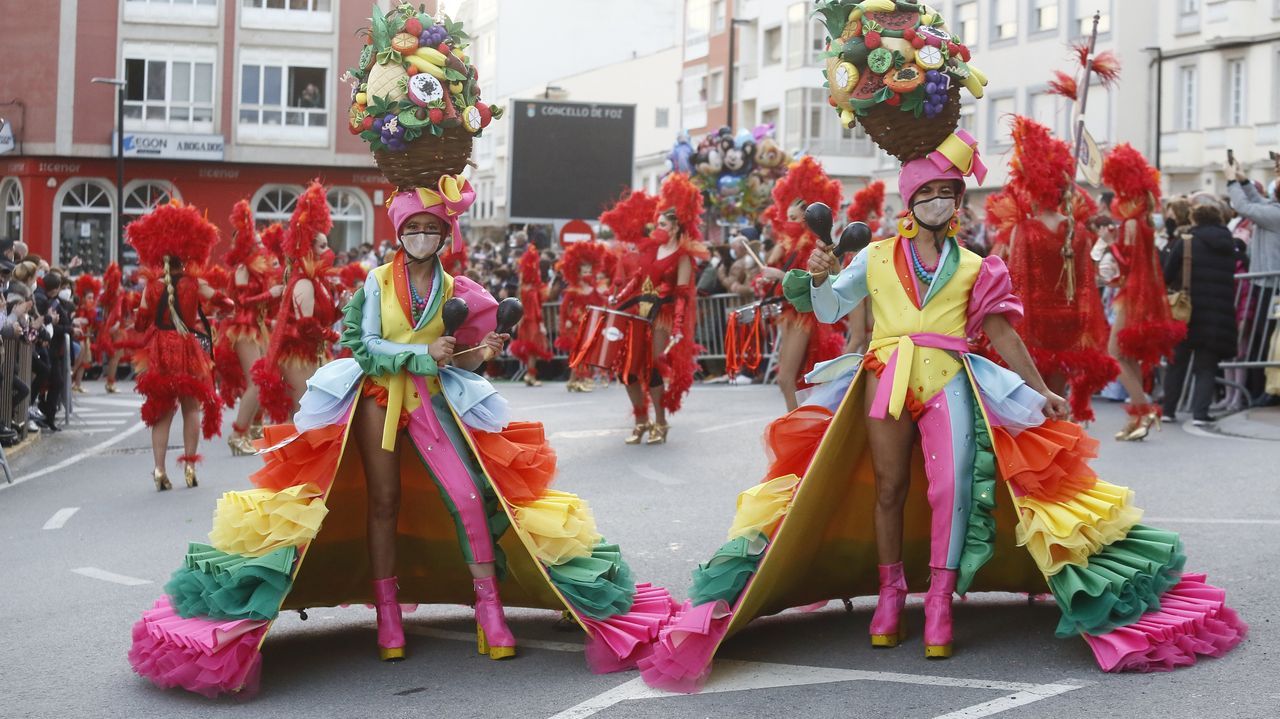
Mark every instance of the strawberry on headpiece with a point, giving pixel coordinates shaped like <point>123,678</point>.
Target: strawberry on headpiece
<point>174,230</point>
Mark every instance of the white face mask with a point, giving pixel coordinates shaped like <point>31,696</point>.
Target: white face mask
<point>64,294</point>
<point>936,213</point>
<point>420,245</point>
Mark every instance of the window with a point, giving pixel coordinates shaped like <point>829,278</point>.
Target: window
<point>291,95</point>
<point>1082,14</point>
<point>1187,97</point>
<point>167,94</point>
<point>1188,15</point>
<point>769,117</point>
<point>966,23</point>
<point>817,42</point>
<point>1004,20</point>
<point>294,15</point>
<point>11,209</point>
<point>172,12</point>
<point>350,216</point>
<point>968,123</point>
<point>697,27</point>
<point>145,197</point>
<point>772,54</point>
<point>1044,15</point>
<point>274,203</point>
<point>793,129</point>
<point>85,224</point>
<point>719,14</point>
<point>174,2</point>
<point>797,35</point>
<point>662,117</point>
<point>1043,107</point>
<point>693,97</point>
<point>1097,117</point>
<point>1235,92</point>
<point>998,120</point>
<point>304,5</point>
<point>715,91</point>
<point>814,128</point>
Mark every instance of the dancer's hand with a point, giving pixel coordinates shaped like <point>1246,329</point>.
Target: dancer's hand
<point>1055,407</point>
<point>493,343</point>
<point>442,349</point>
<point>822,263</point>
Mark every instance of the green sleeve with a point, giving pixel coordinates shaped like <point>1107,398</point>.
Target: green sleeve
<point>374,364</point>
<point>795,287</point>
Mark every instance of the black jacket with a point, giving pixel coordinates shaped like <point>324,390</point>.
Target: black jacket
<point>1214,253</point>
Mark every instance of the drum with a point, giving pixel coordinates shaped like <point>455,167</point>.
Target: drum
<point>613,340</point>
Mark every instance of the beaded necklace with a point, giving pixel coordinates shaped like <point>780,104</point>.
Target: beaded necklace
<point>417,303</point>
<point>926,274</point>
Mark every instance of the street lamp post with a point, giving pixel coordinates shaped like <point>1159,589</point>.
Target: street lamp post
<point>120,85</point>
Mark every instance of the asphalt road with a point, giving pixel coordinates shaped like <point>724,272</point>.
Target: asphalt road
<point>84,501</point>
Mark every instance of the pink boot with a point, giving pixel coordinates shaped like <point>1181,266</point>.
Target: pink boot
<point>492,635</point>
<point>937,613</point>
<point>886,624</point>
<point>390,633</point>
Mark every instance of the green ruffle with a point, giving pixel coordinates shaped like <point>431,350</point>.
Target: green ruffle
<point>599,585</point>
<point>377,365</point>
<point>1120,583</point>
<point>980,534</point>
<point>795,287</point>
<point>726,574</point>
<point>215,584</point>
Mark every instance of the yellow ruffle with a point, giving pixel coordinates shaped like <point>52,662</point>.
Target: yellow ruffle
<point>1058,534</point>
<point>762,507</point>
<point>259,521</point>
<point>560,526</point>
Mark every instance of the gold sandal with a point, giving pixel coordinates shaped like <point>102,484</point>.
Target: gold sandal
<point>658,433</point>
<point>637,433</point>
<point>161,479</point>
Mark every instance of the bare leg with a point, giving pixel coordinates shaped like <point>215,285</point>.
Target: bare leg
<point>1130,371</point>
<point>891,443</point>
<point>113,364</point>
<point>248,353</point>
<point>635,392</point>
<point>382,478</point>
<point>297,376</point>
<point>160,439</point>
<point>660,338</point>
<point>190,426</point>
<point>794,345</point>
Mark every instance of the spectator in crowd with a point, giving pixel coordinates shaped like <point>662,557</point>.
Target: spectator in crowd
<point>1263,213</point>
<point>737,277</point>
<point>1211,331</point>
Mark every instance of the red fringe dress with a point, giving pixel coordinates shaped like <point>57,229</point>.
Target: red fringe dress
<point>171,361</point>
<point>825,341</point>
<point>1148,331</point>
<point>254,305</point>
<point>531,343</point>
<point>296,341</point>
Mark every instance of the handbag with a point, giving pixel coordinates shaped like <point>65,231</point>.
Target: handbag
<point>1180,301</point>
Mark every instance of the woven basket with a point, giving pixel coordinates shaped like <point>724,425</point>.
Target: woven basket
<point>907,137</point>
<point>426,159</point>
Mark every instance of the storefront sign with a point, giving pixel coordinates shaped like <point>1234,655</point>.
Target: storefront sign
<point>173,147</point>
<point>7,143</point>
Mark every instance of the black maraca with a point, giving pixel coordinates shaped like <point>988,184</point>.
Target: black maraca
<point>819,220</point>
<point>454,313</point>
<point>856,235</point>
<point>510,312</point>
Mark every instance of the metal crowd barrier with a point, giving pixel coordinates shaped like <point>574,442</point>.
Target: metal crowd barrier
<point>713,312</point>
<point>15,363</point>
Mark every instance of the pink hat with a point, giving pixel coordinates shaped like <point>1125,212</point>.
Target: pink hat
<point>955,159</point>
<point>448,201</point>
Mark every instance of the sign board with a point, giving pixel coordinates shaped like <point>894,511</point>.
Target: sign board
<point>576,231</point>
<point>1090,159</point>
<point>7,143</point>
<point>569,160</point>
<point>163,146</point>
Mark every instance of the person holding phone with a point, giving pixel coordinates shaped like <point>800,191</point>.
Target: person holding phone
<point>1263,210</point>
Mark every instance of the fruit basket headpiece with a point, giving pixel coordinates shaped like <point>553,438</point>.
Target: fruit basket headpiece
<point>415,97</point>
<point>894,68</point>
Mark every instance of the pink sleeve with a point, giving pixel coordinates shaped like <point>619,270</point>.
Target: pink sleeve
<point>992,294</point>
<point>483,317</point>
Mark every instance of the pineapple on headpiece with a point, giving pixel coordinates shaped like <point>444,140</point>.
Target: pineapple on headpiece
<point>173,230</point>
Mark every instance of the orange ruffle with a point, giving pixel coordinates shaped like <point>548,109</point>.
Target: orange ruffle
<point>378,394</point>
<point>792,439</point>
<point>519,459</point>
<point>311,458</point>
<point>871,363</point>
<point>1049,462</point>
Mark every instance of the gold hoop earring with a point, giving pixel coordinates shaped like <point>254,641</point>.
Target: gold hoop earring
<point>907,228</point>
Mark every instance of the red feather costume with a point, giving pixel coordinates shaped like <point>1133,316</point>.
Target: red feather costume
<point>676,308</point>
<point>1064,326</point>
<point>805,182</point>
<point>531,342</point>
<point>581,288</point>
<point>88,289</point>
<point>629,218</point>
<point>254,304</point>
<point>1148,331</point>
<point>173,243</point>
<point>868,206</point>
<point>298,340</point>
<point>110,328</point>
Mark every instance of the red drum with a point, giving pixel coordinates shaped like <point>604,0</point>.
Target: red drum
<point>615,341</point>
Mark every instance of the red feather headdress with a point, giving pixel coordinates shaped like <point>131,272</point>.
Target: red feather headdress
<point>1042,165</point>
<point>353,275</point>
<point>867,201</point>
<point>1106,67</point>
<point>273,240</point>
<point>310,217</point>
<point>243,239</point>
<point>173,230</point>
<point>630,215</point>
<point>805,181</point>
<point>578,254</point>
<point>87,283</point>
<point>680,194</point>
<point>111,280</point>
<point>1130,176</point>
<point>530,266</point>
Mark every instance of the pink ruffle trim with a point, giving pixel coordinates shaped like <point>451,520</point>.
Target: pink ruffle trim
<point>1193,618</point>
<point>992,295</point>
<point>681,658</point>
<point>619,642</point>
<point>205,656</point>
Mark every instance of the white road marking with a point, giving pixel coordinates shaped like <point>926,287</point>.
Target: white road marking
<point>104,575</point>
<point>648,472</point>
<point>95,414</point>
<point>97,448</point>
<point>99,430</point>
<point>732,676</point>
<point>60,518</point>
<point>731,425</point>
<point>95,422</point>
<point>470,637</point>
<point>131,403</point>
<point>1206,520</point>
<point>586,433</point>
<point>522,408</point>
